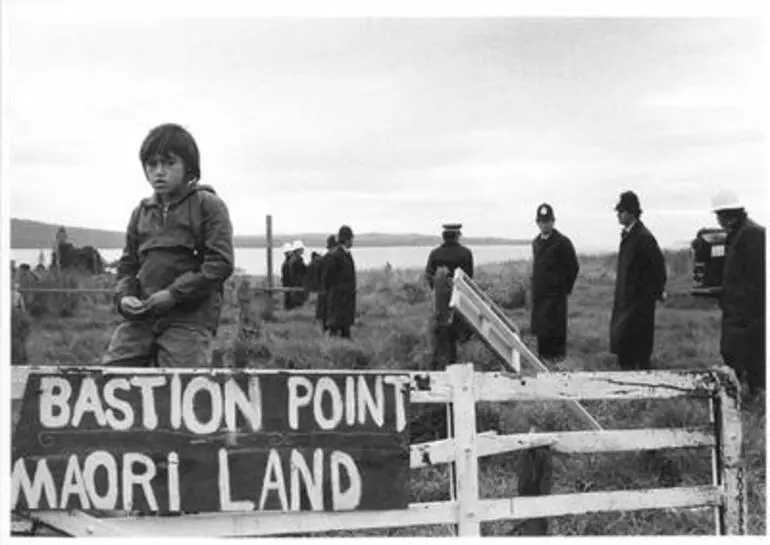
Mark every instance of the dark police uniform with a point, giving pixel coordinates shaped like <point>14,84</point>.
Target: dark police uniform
<point>640,282</point>
<point>742,301</point>
<point>554,270</point>
<point>450,255</point>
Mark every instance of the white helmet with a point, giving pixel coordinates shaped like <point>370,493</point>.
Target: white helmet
<point>286,248</point>
<point>298,245</point>
<point>725,200</point>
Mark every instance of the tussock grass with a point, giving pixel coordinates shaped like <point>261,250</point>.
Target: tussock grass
<point>392,333</point>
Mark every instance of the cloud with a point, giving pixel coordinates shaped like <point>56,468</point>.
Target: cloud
<point>392,124</point>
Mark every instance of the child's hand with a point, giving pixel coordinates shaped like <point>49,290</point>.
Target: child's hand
<point>132,306</point>
<point>160,301</point>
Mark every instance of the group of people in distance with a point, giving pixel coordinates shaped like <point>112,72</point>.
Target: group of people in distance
<point>332,276</point>
<point>179,252</point>
<point>640,283</point>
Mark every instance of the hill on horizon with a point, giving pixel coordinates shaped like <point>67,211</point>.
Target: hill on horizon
<point>29,234</point>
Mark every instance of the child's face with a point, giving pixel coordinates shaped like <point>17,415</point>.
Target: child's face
<point>166,173</point>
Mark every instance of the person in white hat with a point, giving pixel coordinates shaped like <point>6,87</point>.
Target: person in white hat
<point>742,299</point>
<point>298,273</point>
<point>287,280</point>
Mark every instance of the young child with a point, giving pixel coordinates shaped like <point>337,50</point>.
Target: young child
<point>177,256</point>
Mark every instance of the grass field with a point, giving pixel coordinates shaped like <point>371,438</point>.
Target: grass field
<point>392,333</point>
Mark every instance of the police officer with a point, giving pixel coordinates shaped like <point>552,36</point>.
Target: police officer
<point>743,291</point>
<point>554,270</point>
<point>639,284</point>
<point>339,283</point>
<point>451,254</point>
<point>320,307</point>
<point>444,260</point>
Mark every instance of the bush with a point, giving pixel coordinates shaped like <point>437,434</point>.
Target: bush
<point>20,328</point>
<point>61,304</point>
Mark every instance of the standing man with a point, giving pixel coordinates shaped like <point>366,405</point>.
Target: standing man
<point>450,255</point>
<point>339,283</point>
<point>743,291</point>
<point>320,305</point>
<point>287,280</point>
<point>298,271</point>
<point>554,270</point>
<point>640,282</point>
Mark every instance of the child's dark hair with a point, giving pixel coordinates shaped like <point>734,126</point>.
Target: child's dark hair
<point>171,137</point>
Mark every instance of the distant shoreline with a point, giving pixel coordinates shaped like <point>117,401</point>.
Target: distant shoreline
<point>277,246</point>
<point>31,234</point>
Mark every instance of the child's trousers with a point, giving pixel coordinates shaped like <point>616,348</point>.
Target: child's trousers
<point>158,344</point>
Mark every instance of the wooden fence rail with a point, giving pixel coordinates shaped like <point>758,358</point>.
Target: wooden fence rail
<point>461,386</point>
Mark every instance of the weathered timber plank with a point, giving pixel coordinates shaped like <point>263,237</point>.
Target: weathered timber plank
<point>425,386</point>
<point>568,442</point>
<point>733,515</point>
<point>574,442</point>
<point>79,524</point>
<point>466,462</point>
<point>441,451</point>
<point>273,523</point>
<point>603,385</point>
<point>557,505</point>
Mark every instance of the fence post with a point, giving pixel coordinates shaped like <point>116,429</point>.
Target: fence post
<point>535,478</point>
<point>733,512</point>
<point>467,469</point>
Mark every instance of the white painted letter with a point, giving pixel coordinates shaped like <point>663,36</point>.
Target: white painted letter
<point>88,400</point>
<point>295,401</point>
<point>54,394</point>
<point>273,480</point>
<point>251,407</point>
<point>176,402</point>
<point>327,385</point>
<point>95,460</point>
<point>399,384</point>
<point>352,496</point>
<point>130,479</point>
<point>188,406</point>
<point>350,400</point>
<point>116,404</point>
<point>173,480</point>
<point>313,482</point>
<point>149,414</point>
<point>365,401</point>
<point>73,484</point>
<point>32,490</point>
<point>225,503</point>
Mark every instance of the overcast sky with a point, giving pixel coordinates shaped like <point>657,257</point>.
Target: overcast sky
<point>388,124</point>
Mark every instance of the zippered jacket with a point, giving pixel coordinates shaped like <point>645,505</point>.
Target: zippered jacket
<point>185,246</point>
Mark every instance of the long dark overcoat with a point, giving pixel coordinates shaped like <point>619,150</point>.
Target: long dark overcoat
<point>640,281</point>
<point>287,281</point>
<point>452,255</point>
<point>298,271</point>
<point>340,285</point>
<point>743,296</point>
<point>320,304</point>
<point>554,270</point>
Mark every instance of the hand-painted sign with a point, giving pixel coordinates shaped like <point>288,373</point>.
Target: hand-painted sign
<point>167,441</point>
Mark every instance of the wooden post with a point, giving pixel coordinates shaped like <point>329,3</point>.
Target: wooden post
<point>467,468</point>
<point>715,480</point>
<point>733,513</point>
<point>535,478</point>
<point>269,247</point>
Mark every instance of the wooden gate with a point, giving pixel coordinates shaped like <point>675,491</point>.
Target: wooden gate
<point>462,387</point>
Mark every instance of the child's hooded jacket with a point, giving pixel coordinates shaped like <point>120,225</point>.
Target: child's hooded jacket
<point>186,247</point>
